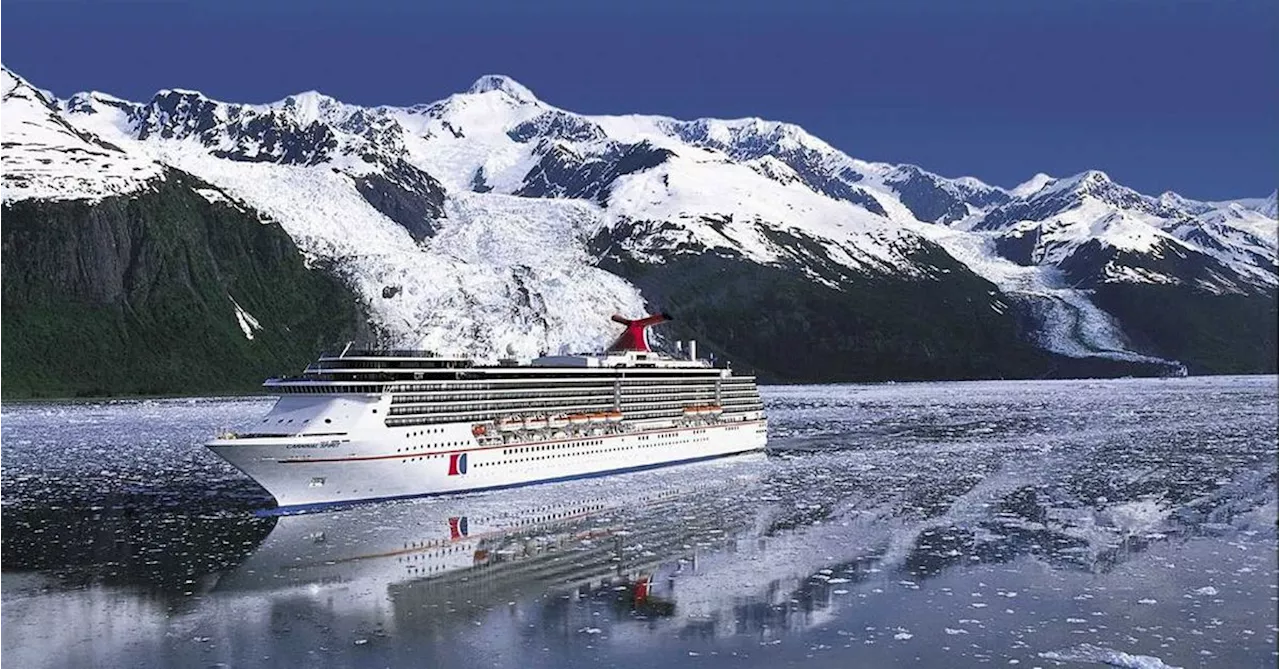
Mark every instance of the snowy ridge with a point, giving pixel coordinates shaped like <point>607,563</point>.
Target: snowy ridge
<point>1063,220</point>
<point>696,190</point>
<point>47,158</point>
<point>1263,205</point>
<point>472,219</point>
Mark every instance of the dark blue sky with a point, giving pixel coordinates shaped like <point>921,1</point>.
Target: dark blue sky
<point>1161,94</point>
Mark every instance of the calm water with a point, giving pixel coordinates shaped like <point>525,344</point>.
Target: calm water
<point>1130,522</point>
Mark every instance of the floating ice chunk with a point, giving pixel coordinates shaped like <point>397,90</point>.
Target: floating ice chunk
<point>1088,652</point>
<point>1207,591</point>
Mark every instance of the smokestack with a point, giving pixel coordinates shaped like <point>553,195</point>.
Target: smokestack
<point>693,349</point>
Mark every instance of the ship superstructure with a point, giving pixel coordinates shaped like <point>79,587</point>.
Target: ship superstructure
<point>366,424</point>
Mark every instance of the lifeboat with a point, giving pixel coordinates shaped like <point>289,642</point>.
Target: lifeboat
<point>478,430</point>
<point>510,424</point>
<point>715,409</point>
<point>613,416</point>
<point>535,422</point>
<point>578,418</point>
<point>558,421</point>
<point>597,417</point>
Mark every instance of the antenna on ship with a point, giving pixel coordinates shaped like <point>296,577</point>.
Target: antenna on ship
<point>346,348</point>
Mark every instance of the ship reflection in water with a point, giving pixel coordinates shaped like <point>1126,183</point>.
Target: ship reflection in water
<point>425,567</point>
<point>1043,523</point>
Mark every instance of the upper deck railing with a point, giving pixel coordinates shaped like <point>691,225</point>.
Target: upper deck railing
<point>388,353</point>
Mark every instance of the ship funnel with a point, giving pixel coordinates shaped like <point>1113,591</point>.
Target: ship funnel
<point>634,337</point>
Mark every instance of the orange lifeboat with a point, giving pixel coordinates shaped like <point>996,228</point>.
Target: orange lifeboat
<point>478,430</point>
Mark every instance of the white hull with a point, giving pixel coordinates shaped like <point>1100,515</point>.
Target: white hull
<point>387,424</point>
<point>385,462</point>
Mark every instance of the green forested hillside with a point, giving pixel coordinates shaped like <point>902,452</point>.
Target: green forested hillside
<point>134,295</point>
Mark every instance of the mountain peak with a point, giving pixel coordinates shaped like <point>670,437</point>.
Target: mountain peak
<point>505,84</point>
<point>974,183</point>
<point>1267,206</point>
<point>179,94</point>
<point>1089,177</point>
<point>13,83</point>
<point>1032,185</point>
<point>18,91</point>
<point>309,106</point>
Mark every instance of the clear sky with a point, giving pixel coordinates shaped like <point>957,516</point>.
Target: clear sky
<point>1161,94</point>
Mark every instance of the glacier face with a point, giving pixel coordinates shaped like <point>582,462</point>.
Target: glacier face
<point>472,225</point>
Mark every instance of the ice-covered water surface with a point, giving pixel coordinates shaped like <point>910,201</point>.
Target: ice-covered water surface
<point>1130,522</point>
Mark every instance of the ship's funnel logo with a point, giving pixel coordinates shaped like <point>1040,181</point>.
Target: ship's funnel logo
<point>457,464</point>
<point>635,338</point>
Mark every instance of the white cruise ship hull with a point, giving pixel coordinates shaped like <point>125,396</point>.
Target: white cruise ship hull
<point>389,463</point>
<point>384,424</point>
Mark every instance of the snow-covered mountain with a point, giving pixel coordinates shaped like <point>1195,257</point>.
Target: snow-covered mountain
<point>46,157</point>
<point>1099,232</point>
<point>492,223</point>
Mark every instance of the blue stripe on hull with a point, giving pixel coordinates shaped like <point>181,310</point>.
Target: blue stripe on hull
<point>317,506</point>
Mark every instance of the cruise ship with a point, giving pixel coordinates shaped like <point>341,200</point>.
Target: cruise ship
<point>368,425</point>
